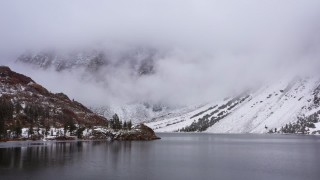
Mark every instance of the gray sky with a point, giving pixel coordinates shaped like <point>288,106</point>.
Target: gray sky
<point>214,46</point>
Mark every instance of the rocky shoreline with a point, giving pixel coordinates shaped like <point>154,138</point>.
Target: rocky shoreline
<point>140,132</point>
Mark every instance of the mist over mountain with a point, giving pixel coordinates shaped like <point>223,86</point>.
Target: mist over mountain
<point>162,53</point>
<point>228,89</point>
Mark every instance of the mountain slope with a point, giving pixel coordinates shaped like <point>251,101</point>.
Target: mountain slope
<point>269,107</point>
<point>28,104</point>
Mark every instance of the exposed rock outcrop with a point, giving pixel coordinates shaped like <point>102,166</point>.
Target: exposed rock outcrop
<point>139,133</point>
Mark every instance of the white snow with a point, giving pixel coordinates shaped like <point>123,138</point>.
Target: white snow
<point>178,120</point>
<point>272,106</point>
<point>316,129</point>
<point>312,111</point>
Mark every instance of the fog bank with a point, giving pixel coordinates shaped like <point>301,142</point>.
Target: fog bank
<point>206,49</point>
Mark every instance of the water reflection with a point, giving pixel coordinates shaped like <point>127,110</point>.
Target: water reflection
<point>176,156</point>
<point>63,153</point>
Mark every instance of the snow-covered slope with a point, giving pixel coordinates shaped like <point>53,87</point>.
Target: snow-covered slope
<point>271,107</point>
<point>136,112</point>
<point>267,108</point>
<point>210,112</point>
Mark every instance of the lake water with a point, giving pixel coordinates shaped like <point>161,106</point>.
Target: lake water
<point>175,156</point>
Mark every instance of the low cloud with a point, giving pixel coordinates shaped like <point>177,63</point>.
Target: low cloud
<point>207,49</point>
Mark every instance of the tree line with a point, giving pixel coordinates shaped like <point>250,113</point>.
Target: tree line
<point>302,125</point>
<point>116,124</point>
<point>13,117</point>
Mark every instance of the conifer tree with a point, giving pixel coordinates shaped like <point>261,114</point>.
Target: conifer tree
<point>30,132</point>
<point>79,132</point>
<point>117,123</point>
<point>6,113</point>
<point>124,126</point>
<point>18,129</point>
<point>129,125</point>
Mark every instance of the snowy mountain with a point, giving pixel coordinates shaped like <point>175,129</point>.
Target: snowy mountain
<point>139,60</point>
<point>260,111</point>
<point>289,102</point>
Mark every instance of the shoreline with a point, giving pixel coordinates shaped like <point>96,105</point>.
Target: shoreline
<point>189,133</point>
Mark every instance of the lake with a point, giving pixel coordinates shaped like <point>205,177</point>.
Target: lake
<point>176,156</point>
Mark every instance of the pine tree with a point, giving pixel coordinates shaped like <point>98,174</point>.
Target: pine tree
<point>111,124</point>
<point>72,127</point>
<point>6,113</point>
<point>47,129</point>
<point>30,132</point>
<point>80,132</point>
<point>18,129</point>
<point>129,125</point>
<point>117,123</point>
<point>18,107</point>
<point>124,126</point>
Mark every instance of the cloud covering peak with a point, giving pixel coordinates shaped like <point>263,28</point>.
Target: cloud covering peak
<point>210,47</point>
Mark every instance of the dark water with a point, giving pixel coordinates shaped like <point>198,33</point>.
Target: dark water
<point>176,156</point>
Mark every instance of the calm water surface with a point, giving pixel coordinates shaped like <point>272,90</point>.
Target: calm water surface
<point>175,156</point>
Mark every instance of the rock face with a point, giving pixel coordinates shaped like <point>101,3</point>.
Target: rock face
<point>32,105</point>
<point>139,133</point>
<point>10,77</point>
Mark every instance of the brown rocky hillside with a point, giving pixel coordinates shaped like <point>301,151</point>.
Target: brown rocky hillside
<point>25,103</point>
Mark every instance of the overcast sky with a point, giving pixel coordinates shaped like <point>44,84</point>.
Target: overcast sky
<point>214,46</point>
